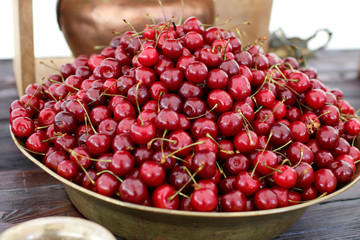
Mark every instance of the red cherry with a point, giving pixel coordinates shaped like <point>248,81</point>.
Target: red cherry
<point>22,127</point>
<point>325,181</point>
<point>133,191</point>
<point>265,199</point>
<point>98,144</point>
<point>37,143</point>
<point>220,100</point>
<point>107,184</point>
<point>305,175</point>
<point>246,141</point>
<point>204,200</point>
<point>285,176</point>
<point>233,202</point>
<point>152,173</point>
<point>196,72</point>
<point>163,197</point>
<point>148,57</point>
<point>230,123</point>
<point>67,169</point>
<point>142,133</point>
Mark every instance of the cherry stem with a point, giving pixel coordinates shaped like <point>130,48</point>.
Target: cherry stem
<point>37,153</point>
<point>281,147</point>
<point>209,136</point>
<point>75,154</point>
<point>42,127</point>
<point>277,107</point>
<point>108,171</point>
<point>207,112</point>
<point>188,181</point>
<point>52,96</point>
<point>262,153</point>
<point>137,103</point>
<point>221,169</point>
<point>163,139</point>
<point>87,115</point>
<point>82,167</point>
<point>180,149</point>
<point>51,67</point>
<point>162,143</point>
<point>182,12</point>
<point>301,157</point>
<point>162,8</point>
<point>132,27</point>
<point>158,101</point>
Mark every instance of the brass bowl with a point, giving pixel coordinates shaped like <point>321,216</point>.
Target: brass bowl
<point>57,228</point>
<point>133,221</point>
<point>87,24</point>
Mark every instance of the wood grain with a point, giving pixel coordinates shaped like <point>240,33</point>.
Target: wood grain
<point>24,63</point>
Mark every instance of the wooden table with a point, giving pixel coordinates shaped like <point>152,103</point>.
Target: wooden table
<point>26,192</point>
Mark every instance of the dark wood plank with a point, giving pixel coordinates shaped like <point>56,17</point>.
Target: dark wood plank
<point>31,194</point>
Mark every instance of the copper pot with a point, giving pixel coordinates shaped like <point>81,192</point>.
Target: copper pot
<point>90,23</point>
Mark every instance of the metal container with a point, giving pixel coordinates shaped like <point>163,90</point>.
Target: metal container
<point>133,221</point>
<point>87,24</point>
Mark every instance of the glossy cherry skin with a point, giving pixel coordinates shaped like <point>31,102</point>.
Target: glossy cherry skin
<point>148,57</point>
<point>194,107</point>
<point>36,143</point>
<point>247,183</point>
<point>204,200</point>
<point>142,133</point>
<point>217,79</point>
<point>133,191</point>
<point>285,176</point>
<point>325,181</point>
<point>122,163</point>
<point>180,142</point>
<point>107,184</point>
<point>305,175</point>
<point>342,170</point>
<point>281,134</point>
<point>235,164</point>
<point>230,123</point>
<point>220,100</point>
<point>65,122</point>
<point>152,173</point>
<point>299,82</point>
<point>202,126</point>
<point>167,119</point>
<point>298,151</point>
<point>196,72</point>
<point>239,87</point>
<point>265,161</point>
<point>164,197</point>
<point>67,169</point>
<point>246,143</point>
<point>327,137</point>
<point>265,199</point>
<point>204,162</point>
<point>22,127</point>
<point>98,144</point>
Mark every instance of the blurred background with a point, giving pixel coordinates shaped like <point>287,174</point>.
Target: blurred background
<point>295,18</point>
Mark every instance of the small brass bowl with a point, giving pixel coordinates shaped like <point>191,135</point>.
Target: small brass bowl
<point>133,221</point>
<point>57,228</point>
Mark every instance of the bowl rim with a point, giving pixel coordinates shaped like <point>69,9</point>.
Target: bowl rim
<point>151,209</point>
<point>60,221</point>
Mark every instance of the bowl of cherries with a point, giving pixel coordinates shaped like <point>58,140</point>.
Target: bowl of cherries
<point>180,130</point>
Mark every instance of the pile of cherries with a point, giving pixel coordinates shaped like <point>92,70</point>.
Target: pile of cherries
<point>182,117</point>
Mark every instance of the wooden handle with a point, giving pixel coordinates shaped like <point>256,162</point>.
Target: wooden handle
<point>24,61</point>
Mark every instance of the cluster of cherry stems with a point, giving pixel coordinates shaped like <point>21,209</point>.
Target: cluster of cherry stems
<point>183,117</point>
